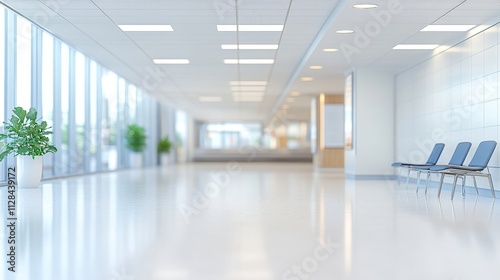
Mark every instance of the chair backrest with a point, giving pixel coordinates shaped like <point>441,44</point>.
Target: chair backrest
<point>435,154</point>
<point>460,153</point>
<point>483,154</point>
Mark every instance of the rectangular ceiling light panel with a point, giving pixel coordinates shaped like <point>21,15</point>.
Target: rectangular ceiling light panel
<point>170,61</point>
<point>247,98</point>
<point>248,83</point>
<point>145,28</point>
<point>250,27</point>
<point>249,47</point>
<point>248,93</point>
<point>248,88</point>
<point>249,61</point>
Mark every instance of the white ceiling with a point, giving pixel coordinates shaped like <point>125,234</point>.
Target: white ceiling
<point>310,25</point>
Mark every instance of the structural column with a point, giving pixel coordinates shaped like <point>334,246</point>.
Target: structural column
<point>372,149</point>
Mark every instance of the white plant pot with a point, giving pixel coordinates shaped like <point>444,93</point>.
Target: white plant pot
<point>136,160</point>
<point>164,158</point>
<point>29,171</point>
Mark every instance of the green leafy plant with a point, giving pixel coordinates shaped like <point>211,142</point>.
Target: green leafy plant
<point>26,135</point>
<point>136,138</point>
<point>164,145</point>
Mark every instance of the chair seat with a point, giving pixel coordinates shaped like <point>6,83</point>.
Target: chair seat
<point>410,164</point>
<point>421,167</point>
<point>462,169</point>
<point>445,167</point>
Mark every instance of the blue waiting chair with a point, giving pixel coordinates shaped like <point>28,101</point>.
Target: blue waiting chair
<point>432,160</point>
<point>475,168</point>
<point>457,158</point>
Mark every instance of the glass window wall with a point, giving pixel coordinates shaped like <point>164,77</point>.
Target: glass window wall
<point>87,105</point>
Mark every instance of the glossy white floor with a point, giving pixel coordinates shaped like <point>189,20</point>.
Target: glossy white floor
<point>248,222</point>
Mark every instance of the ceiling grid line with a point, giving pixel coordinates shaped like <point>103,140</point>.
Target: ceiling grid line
<point>312,47</point>
<point>271,71</point>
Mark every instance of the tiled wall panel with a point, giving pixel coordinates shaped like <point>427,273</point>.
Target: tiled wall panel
<point>450,98</point>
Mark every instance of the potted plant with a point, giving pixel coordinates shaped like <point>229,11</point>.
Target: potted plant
<point>136,142</point>
<point>28,140</point>
<point>164,146</point>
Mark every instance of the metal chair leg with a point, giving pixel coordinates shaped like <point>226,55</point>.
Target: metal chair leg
<point>408,178</point>
<point>440,185</point>
<point>463,185</point>
<point>454,187</point>
<point>427,182</point>
<point>399,176</point>
<point>475,185</point>
<point>418,179</point>
<point>491,186</point>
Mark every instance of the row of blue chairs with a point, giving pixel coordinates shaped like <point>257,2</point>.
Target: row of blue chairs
<point>478,166</point>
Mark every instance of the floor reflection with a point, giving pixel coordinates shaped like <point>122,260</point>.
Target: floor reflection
<point>275,221</point>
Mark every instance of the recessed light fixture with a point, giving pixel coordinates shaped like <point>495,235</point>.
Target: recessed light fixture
<point>248,83</point>
<point>345,31</point>
<point>250,27</point>
<point>331,50</point>
<point>248,93</point>
<point>210,99</point>
<point>249,47</point>
<point>295,93</point>
<point>452,28</point>
<point>170,61</point>
<point>415,47</point>
<point>365,6</point>
<point>247,98</point>
<point>137,27</point>
<point>290,99</point>
<point>249,61</point>
<point>315,67</point>
<point>306,79</point>
<point>248,88</point>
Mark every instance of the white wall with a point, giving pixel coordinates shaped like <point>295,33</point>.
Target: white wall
<point>373,144</point>
<point>450,98</point>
